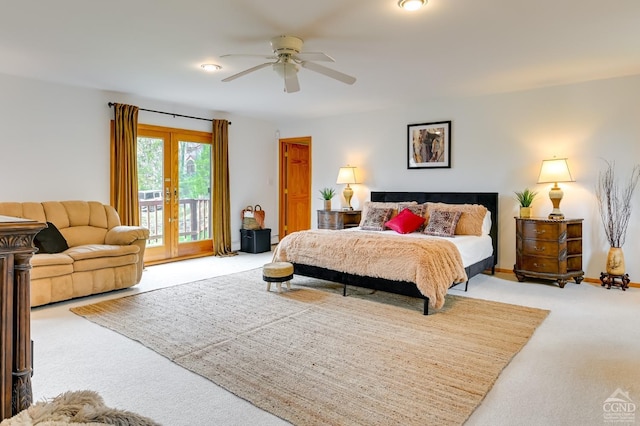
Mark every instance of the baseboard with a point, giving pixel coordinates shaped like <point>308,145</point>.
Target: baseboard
<point>592,281</point>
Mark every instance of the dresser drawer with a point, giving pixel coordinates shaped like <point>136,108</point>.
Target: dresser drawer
<point>540,248</point>
<point>540,231</point>
<point>546,265</point>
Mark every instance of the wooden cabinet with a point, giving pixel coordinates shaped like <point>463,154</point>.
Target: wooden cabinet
<point>338,219</point>
<point>16,249</point>
<point>549,249</point>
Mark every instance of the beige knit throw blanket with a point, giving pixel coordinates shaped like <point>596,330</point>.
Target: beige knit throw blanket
<point>432,264</point>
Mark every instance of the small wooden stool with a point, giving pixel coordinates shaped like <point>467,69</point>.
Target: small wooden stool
<point>278,272</point>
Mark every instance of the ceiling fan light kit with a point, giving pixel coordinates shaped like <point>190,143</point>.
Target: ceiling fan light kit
<point>288,56</point>
<point>210,67</point>
<point>411,4</point>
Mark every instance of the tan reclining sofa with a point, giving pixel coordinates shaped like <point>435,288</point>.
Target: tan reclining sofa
<point>102,254</point>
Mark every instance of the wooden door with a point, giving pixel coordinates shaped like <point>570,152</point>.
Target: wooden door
<point>295,185</point>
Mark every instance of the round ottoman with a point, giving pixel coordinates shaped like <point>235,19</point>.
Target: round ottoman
<point>277,272</point>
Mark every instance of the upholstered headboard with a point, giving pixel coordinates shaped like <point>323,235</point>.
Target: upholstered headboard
<point>487,199</point>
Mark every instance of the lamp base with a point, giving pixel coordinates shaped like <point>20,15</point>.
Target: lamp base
<point>348,193</point>
<point>555,195</point>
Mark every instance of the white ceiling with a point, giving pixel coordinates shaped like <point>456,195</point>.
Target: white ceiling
<point>450,48</point>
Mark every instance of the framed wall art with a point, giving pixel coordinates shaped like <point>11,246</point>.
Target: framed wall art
<point>429,145</point>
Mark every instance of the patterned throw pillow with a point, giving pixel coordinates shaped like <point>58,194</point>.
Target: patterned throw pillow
<point>442,223</point>
<point>376,218</point>
<point>405,222</point>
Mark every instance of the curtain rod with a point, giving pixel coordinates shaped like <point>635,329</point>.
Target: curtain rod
<point>111,104</point>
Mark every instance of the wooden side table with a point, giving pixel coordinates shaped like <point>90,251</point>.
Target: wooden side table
<point>549,249</point>
<point>338,219</point>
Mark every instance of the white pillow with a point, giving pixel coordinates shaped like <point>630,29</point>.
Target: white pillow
<point>486,223</point>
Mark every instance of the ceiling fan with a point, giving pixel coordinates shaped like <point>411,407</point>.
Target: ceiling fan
<point>288,57</point>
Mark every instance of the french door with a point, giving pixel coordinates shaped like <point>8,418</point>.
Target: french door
<point>174,192</point>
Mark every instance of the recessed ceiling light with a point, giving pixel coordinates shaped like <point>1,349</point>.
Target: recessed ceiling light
<point>411,4</point>
<point>210,67</point>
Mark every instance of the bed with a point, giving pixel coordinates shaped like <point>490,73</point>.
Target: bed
<point>472,261</point>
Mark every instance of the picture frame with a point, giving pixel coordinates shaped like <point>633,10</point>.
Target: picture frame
<point>429,145</point>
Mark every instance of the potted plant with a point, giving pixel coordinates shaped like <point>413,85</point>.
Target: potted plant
<point>525,198</point>
<point>327,194</point>
<point>614,204</point>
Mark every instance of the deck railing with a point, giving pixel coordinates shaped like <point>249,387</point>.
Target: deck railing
<point>194,219</point>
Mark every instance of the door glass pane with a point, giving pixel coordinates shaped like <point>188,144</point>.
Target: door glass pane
<point>150,179</point>
<point>194,210</point>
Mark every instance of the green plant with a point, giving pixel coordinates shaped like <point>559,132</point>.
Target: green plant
<point>526,197</point>
<point>327,193</point>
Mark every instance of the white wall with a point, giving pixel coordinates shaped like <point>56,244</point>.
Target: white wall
<point>498,143</point>
<point>55,146</point>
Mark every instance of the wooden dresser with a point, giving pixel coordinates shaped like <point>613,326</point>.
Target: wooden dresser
<point>549,249</point>
<point>338,219</point>
<point>16,249</point>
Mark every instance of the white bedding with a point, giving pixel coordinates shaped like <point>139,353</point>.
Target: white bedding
<point>472,248</point>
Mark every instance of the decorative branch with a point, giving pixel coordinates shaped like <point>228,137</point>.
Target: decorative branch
<point>614,203</point>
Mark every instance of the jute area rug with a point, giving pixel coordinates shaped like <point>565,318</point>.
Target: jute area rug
<point>312,356</point>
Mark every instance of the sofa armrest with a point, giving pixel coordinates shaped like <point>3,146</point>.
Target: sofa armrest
<point>124,235</point>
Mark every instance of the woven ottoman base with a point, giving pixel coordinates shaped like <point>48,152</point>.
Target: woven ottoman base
<point>278,272</point>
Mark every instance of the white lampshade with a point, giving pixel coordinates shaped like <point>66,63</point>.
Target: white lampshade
<point>554,171</point>
<point>346,175</point>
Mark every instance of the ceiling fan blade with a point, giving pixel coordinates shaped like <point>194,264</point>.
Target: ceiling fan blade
<point>248,55</point>
<point>291,83</point>
<point>245,72</point>
<point>329,72</point>
<point>313,56</point>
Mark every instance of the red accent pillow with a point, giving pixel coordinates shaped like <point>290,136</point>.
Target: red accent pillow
<point>405,222</point>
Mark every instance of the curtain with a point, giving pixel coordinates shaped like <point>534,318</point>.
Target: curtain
<point>221,204</point>
<point>124,189</point>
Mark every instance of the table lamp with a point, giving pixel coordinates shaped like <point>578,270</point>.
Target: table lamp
<point>553,171</point>
<point>347,175</point>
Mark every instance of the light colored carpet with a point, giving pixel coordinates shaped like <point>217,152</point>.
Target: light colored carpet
<point>315,357</point>
<point>79,408</point>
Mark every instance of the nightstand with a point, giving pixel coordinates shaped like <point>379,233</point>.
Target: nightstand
<point>549,249</point>
<point>338,219</point>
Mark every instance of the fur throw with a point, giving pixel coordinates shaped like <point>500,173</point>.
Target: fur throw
<point>81,408</point>
<point>432,264</point>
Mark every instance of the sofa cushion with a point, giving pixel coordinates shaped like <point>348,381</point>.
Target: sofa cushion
<point>50,271</point>
<point>84,235</point>
<point>50,240</point>
<point>96,251</point>
<point>104,263</point>
<point>50,265</point>
<point>86,213</point>
<point>50,259</point>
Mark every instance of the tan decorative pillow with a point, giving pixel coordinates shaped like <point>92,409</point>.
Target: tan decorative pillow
<point>376,218</point>
<point>382,205</point>
<point>471,219</point>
